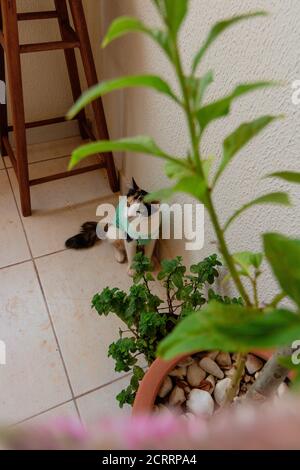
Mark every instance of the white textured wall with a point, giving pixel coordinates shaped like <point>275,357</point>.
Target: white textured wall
<point>264,48</point>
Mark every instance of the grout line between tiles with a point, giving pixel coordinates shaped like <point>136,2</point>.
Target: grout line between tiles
<point>72,400</point>
<point>102,386</point>
<point>46,254</point>
<point>15,264</point>
<point>43,412</point>
<point>45,301</point>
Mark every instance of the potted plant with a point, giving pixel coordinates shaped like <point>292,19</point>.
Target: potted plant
<point>151,309</point>
<point>217,326</point>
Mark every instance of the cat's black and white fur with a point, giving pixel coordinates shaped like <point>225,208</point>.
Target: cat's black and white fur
<point>125,247</point>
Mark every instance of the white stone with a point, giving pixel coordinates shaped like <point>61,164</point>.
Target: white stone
<point>253,364</point>
<point>223,359</point>
<point>179,372</point>
<point>211,367</point>
<point>195,375</point>
<point>211,379</point>
<point>282,390</point>
<point>166,387</point>
<point>200,403</point>
<point>186,362</point>
<point>177,396</point>
<point>212,354</point>
<point>163,409</point>
<point>230,373</point>
<point>221,389</point>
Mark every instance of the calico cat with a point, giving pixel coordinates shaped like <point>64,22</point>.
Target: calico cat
<point>119,234</point>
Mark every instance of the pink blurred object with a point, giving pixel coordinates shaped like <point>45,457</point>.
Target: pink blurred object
<point>268,426</point>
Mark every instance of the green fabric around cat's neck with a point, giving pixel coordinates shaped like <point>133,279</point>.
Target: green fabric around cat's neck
<point>121,222</point>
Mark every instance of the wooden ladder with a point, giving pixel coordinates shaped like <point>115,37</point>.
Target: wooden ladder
<point>10,52</point>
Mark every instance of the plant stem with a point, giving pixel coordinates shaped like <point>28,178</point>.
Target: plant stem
<point>278,298</point>
<point>210,207</point>
<point>255,293</point>
<point>188,111</point>
<point>213,216</point>
<point>225,252</point>
<point>236,379</point>
<point>271,376</point>
<point>169,300</point>
<point>133,332</point>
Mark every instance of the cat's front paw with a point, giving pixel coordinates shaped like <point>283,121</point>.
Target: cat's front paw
<point>131,272</point>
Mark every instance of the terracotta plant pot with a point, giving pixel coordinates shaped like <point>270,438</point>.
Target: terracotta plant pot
<point>151,383</point>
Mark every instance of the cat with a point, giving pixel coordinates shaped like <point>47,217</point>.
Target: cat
<point>125,241</point>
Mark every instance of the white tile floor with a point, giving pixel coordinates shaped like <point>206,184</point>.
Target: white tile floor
<point>56,345</point>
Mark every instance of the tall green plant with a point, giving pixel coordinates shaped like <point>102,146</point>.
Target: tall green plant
<point>232,328</point>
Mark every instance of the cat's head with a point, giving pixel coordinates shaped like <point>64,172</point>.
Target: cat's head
<point>135,201</point>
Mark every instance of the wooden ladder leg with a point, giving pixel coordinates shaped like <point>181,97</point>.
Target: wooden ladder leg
<point>64,25</point>
<point>91,77</point>
<point>11,40</point>
<point>3,107</point>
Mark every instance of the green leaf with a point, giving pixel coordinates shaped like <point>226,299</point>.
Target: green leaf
<point>138,144</point>
<point>162,38</point>
<point>295,367</point>
<point>203,84</point>
<point>126,24</point>
<point>178,169</point>
<point>290,176</point>
<point>247,259</point>
<point>122,352</point>
<point>271,198</point>
<point>126,396</point>
<point>121,26</point>
<point>160,195</point>
<point>101,89</point>
<point>174,12</point>
<point>221,108</point>
<point>239,138</point>
<point>283,255</point>
<point>193,185</point>
<point>230,328</point>
<point>219,28</point>
<point>207,166</point>
<point>197,87</point>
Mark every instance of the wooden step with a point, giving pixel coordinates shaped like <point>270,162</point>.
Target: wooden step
<point>42,122</point>
<point>37,15</point>
<point>48,46</point>
<point>67,174</point>
<point>71,42</point>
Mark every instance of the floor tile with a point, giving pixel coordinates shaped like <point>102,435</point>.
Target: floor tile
<point>103,402</point>
<point>1,163</point>
<point>50,150</point>
<point>70,279</point>
<point>33,378</point>
<point>68,410</point>
<point>61,206</point>
<point>13,245</point>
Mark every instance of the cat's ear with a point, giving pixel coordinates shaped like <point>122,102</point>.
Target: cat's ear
<point>134,185</point>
